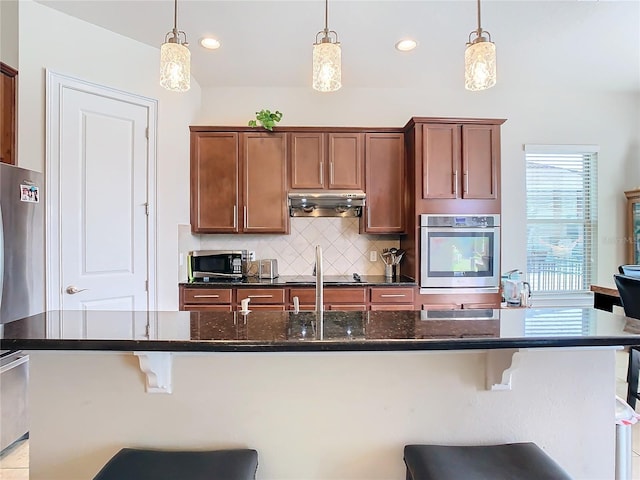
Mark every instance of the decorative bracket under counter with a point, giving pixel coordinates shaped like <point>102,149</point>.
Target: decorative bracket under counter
<point>157,367</point>
<point>500,365</point>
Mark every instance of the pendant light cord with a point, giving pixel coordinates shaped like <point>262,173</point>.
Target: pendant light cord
<point>175,16</point>
<point>326,16</point>
<point>479,27</point>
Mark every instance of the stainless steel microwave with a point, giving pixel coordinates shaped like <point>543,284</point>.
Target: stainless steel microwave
<point>207,265</point>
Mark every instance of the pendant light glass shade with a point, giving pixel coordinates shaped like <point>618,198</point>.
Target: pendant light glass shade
<point>175,70</point>
<point>479,60</point>
<point>480,66</point>
<point>327,58</point>
<point>175,58</point>
<point>327,68</point>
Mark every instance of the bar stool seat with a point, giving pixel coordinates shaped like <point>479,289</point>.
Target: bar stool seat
<point>145,464</point>
<point>511,461</point>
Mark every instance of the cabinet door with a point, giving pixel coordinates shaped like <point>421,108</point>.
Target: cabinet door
<point>264,182</point>
<point>345,161</point>
<point>440,160</point>
<point>307,160</point>
<point>214,182</point>
<point>384,183</point>
<point>480,149</point>
<point>8,114</point>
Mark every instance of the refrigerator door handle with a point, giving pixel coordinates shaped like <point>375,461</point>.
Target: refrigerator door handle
<point>1,255</point>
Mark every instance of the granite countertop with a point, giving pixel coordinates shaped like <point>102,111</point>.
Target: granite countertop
<point>265,331</point>
<point>310,281</point>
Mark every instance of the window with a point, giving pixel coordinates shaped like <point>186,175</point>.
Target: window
<point>561,217</point>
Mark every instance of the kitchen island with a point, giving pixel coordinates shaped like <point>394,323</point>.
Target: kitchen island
<point>330,397</point>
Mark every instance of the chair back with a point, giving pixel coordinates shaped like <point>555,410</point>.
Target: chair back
<point>629,270</point>
<point>629,289</point>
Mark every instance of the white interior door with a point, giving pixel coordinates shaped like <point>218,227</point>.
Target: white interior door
<point>103,201</point>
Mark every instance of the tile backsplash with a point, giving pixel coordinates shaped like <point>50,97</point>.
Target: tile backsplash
<point>344,250</point>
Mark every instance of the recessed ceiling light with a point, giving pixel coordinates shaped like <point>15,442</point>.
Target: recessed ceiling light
<point>406,45</point>
<point>210,43</point>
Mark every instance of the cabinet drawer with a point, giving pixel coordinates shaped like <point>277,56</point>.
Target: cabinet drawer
<point>347,307</point>
<point>261,295</point>
<point>205,296</point>
<point>307,296</point>
<point>391,295</point>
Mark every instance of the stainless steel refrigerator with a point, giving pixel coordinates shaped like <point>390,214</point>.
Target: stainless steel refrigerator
<point>22,282</point>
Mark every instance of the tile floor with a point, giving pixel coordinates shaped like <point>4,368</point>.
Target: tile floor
<point>14,461</point>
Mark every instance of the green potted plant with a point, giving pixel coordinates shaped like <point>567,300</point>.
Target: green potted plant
<point>266,119</point>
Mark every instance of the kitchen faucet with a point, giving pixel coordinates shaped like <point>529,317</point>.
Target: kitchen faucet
<point>319,279</point>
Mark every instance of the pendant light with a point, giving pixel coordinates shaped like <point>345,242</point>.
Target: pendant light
<point>327,58</point>
<point>479,60</point>
<point>175,59</point>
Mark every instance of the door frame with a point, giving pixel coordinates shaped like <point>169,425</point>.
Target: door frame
<point>56,83</point>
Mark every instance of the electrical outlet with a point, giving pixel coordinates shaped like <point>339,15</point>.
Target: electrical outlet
<point>373,256</point>
<point>252,256</point>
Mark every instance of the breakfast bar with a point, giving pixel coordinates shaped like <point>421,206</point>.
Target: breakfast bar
<point>320,396</point>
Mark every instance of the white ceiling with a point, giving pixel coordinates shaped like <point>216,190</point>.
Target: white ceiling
<point>571,44</point>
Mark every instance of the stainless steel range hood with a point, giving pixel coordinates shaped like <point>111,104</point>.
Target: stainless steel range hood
<point>326,203</point>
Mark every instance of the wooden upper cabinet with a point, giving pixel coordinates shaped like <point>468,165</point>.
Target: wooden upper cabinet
<point>480,147</point>
<point>385,176</point>
<point>215,199</point>
<point>8,113</point>
<point>307,160</point>
<point>345,161</point>
<point>326,160</point>
<point>264,182</point>
<point>460,161</point>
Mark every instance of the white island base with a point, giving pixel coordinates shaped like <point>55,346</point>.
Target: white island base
<point>320,415</point>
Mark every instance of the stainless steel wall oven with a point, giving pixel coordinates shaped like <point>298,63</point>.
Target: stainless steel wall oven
<point>460,251</point>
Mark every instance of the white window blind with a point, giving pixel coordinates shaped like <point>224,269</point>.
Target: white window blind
<point>562,224</point>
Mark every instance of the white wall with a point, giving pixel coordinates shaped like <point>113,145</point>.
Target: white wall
<point>545,116</point>
<point>320,415</point>
<point>9,32</point>
<point>55,41</point>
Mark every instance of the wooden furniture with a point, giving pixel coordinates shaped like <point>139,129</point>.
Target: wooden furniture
<point>8,113</point>
<point>392,298</point>
<point>604,298</point>
<point>238,182</point>
<point>240,176</point>
<point>326,160</point>
<point>385,182</point>
<point>453,167</point>
<point>633,226</point>
<point>262,298</point>
<point>280,298</point>
<point>335,298</point>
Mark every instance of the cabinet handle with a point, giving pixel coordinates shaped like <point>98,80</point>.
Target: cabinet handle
<point>466,182</point>
<point>331,172</point>
<point>455,182</point>
<point>235,217</point>
<point>368,208</point>
<point>245,217</point>
<point>388,295</point>
<point>321,173</point>
<point>260,296</point>
<point>206,296</point>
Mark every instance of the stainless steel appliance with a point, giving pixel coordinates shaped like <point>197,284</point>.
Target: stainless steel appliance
<point>22,248</point>
<point>268,268</point>
<point>204,265</point>
<point>326,203</point>
<point>460,251</point>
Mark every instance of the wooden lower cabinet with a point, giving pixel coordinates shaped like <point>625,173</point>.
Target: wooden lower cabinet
<point>338,298</point>
<point>212,299</point>
<point>272,299</point>
<point>392,298</point>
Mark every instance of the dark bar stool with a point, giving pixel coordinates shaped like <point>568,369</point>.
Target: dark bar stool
<point>510,461</point>
<point>629,289</point>
<point>143,464</point>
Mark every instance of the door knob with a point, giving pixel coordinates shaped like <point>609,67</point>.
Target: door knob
<point>72,290</point>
